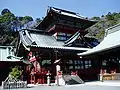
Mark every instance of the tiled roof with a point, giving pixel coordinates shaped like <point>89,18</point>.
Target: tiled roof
<point>68,13</point>
<point>31,39</point>
<point>56,12</point>
<point>5,52</point>
<point>45,40</point>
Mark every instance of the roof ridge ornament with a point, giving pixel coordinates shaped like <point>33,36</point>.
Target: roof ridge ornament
<point>62,10</point>
<point>27,34</point>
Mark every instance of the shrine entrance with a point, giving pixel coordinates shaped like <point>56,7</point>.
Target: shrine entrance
<point>110,66</point>
<point>111,61</point>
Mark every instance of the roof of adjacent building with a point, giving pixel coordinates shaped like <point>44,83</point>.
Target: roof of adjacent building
<point>36,39</point>
<point>6,54</point>
<point>110,41</point>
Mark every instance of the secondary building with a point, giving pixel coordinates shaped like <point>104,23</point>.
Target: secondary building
<point>7,61</point>
<point>106,54</point>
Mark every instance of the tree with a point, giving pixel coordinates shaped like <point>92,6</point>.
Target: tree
<point>7,27</point>
<point>7,17</point>
<point>102,16</point>
<point>27,19</point>
<point>109,16</point>
<point>95,18</point>
<point>4,11</point>
<point>38,20</point>
<point>16,73</point>
<point>116,16</point>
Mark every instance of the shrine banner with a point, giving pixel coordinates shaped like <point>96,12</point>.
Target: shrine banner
<point>36,65</point>
<point>32,58</point>
<point>30,54</point>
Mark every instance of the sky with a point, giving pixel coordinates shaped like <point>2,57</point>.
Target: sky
<point>37,8</point>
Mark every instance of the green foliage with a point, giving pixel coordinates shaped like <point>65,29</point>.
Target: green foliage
<point>4,11</point>
<point>10,24</point>
<point>16,73</point>
<point>95,18</point>
<point>100,34</point>
<point>104,22</point>
<point>112,22</point>
<point>38,20</point>
<point>7,17</point>
<point>109,16</point>
<point>27,19</point>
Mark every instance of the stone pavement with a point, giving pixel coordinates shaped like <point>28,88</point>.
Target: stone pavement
<point>114,85</point>
<point>105,83</point>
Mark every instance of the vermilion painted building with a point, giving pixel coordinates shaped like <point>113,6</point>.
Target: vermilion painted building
<point>60,36</point>
<point>107,52</point>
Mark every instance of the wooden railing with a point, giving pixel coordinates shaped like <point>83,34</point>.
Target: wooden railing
<point>117,76</point>
<point>108,76</point>
<point>13,85</point>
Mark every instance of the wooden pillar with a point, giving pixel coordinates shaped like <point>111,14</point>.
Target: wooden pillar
<point>33,79</point>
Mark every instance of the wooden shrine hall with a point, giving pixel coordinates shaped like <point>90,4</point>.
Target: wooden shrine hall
<point>59,37</point>
<point>107,53</point>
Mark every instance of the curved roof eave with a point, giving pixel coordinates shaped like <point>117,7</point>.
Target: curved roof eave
<point>111,41</point>
<point>61,47</point>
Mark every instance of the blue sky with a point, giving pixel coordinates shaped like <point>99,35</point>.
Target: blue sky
<point>37,8</point>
